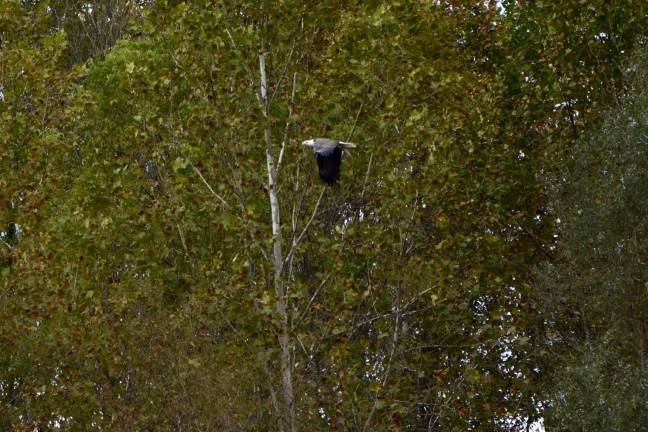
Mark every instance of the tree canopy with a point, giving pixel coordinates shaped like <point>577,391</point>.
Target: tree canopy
<point>169,259</point>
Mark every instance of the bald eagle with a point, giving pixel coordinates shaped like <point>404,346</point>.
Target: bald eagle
<point>329,157</point>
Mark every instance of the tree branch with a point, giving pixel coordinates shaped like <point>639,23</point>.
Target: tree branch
<point>303,233</point>
<point>310,302</point>
<point>182,239</point>
<point>6,244</point>
<point>238,49</point>
<point>285,69</point>
<point>220,198</point>
<point>355,122</point>
<point>364,185</point>
<point>243,222</point>
<point>290,113</point>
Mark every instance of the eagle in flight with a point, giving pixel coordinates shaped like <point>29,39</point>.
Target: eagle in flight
<point>328,153</point>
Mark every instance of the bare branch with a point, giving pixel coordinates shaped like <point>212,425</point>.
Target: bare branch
<point>182,238</point>
<point>355,123</point>
<point>287,128</point>
<point>283,75</point>
<point>310,302</point>
<point>455,387</point>
<point>364,185</point>
<point>444,346</point>
<point>238,49</point>
<point>297,203</point>
<point>243,222</point>
<point>220,198</point>
<point>285,69</point>
<point>294,217</point>
<point>6,244</point>
<point>386,315</point>
<point>308,224</point>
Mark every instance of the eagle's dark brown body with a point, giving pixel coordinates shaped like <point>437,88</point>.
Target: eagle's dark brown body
<point>328,153</point>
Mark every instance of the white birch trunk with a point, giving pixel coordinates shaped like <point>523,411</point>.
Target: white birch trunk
<point>281,306</point>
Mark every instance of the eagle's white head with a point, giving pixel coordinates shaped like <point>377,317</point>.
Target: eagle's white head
<point>309,143</point>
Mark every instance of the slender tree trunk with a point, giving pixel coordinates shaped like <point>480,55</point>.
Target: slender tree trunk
<point>277,261</point>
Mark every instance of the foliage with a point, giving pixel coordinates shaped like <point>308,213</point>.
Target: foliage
<point>140,294</point>
<point>599,391</point>
<point>596,294</point>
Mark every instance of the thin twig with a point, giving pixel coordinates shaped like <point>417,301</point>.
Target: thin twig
<point>287,128</point>
<point>387,314</point>
<point>455,387</point>
<point>220,198</point>
<point>6,244</point>
<point>238,49</point>
<point>428,346</point>
<point>537,242</point>
<point>283,74</point>
<point>243,222</point>
<point>293,220</point>
<point>310,302</point>
<point>308,224</point>
<point>416,297</point>
<point>285,69</point>
<point>355,123</point>
<point>364,185</point>
<point>182,239</point>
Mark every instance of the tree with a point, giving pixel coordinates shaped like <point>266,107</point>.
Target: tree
<point>595,295</point>
<point>181,254</point>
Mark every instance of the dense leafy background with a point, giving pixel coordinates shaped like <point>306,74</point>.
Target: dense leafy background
<point>434,289</point>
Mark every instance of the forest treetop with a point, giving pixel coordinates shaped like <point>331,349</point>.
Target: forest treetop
<point>170,261</point>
